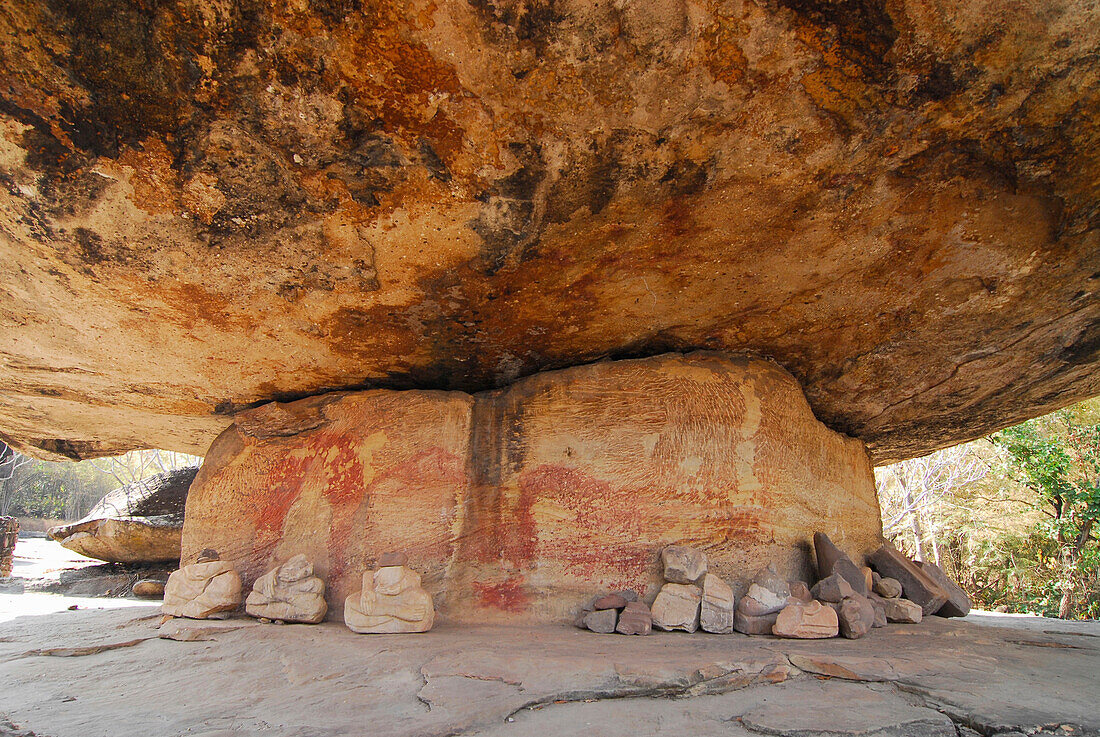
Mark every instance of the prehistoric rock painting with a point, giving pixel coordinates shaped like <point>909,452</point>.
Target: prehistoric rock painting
<point>518,502</point>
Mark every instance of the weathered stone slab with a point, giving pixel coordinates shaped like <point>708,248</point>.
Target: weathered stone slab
<point>831,559</point>
<point>806,622</point>
<point>520,503</point>
<point>917,585</point>
<point>602,621</point>
<point>958,603</point>
<point>683,564</point>
<point>635,619</point>
<point>835,588</point>
<point>677,607</point>
<point>717,606</point>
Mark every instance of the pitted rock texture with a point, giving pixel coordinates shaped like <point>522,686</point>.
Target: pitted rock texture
<point>518,504</point>
<point>207,206</point>
<point>140,522</point>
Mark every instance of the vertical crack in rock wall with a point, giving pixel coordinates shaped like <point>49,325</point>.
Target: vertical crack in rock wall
<point>523,501</point>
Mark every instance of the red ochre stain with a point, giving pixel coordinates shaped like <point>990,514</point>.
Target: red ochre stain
<point>507,596</point>
<point>595,504</point>
<point>285,484</point>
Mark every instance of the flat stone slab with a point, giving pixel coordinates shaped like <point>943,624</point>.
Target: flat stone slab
<point>941,677</point>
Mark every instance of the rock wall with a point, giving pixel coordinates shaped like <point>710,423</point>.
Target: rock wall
<point>523,501</point>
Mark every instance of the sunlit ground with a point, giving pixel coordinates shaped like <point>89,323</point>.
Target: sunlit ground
<point>41,559</point>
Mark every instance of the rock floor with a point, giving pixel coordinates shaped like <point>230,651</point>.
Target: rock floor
<point>107,672</point>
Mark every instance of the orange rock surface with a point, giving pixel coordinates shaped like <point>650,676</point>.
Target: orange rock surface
<point>524,501</point>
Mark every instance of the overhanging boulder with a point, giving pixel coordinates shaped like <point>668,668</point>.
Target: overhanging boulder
<point>207,206</point>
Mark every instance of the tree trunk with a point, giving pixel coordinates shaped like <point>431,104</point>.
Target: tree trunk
<point>914,520</point>
<point>1065,606</point>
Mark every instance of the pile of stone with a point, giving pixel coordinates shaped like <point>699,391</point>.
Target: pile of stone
<point>690,599</point>
<point>847,600</point>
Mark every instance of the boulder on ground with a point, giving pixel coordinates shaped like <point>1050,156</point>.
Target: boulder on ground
<point>391,601</point>
<point>901,611</point>
<point>831,559</point>
<point>806,622</point>
<point>958,603</point>
<point>856,616</point>
<point>677,607</point>
<point>716,609</point>
<point>888,588</point>
<point>917,585</point>
<point>683,564</point>
<point>288,593</point>
<point>210,589</point>
<point>635,619</point>
<point>602,621</point>
<point>149,588</point>
<point>141,522</point>
<point>834,588</point>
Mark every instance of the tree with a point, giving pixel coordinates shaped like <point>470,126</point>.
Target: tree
<point>10,462</point>
<point>1057,457</point>
<point>912,495</point>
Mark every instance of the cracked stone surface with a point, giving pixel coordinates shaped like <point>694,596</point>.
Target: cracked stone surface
<point>210,205</point>
<point>938,679</point>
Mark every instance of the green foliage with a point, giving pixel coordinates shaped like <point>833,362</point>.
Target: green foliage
<point>1057,458</point>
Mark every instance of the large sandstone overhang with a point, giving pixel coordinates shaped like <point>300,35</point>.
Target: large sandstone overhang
<point>209,205</point>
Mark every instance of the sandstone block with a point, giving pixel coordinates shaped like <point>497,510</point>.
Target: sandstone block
<point>831,559</point>
<point>868,577</point>
<point>958,603</point>
<point>149,589</point>
<point>635,619</point>
<point>835,588</point>
<point>202,590</point>
<point>601,620</point>
<point>683,564</point>
<point>888,588</point>
<point>917,585</point>
<point>800,593</point>
<point>717,606</point>
<point>902,610</point>
<point>609,601</point>
<point>677,607</point>
<point>391,601</point>
<point>856,616</point>
<point>749,624</point>
<point>289,593</point>
<point>806,621</point>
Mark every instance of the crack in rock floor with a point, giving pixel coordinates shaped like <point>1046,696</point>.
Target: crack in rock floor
<point>942,678</point>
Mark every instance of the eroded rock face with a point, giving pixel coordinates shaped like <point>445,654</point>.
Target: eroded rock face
<point>520,503</point>
<point>208,206</point>
<point>138,523</point>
